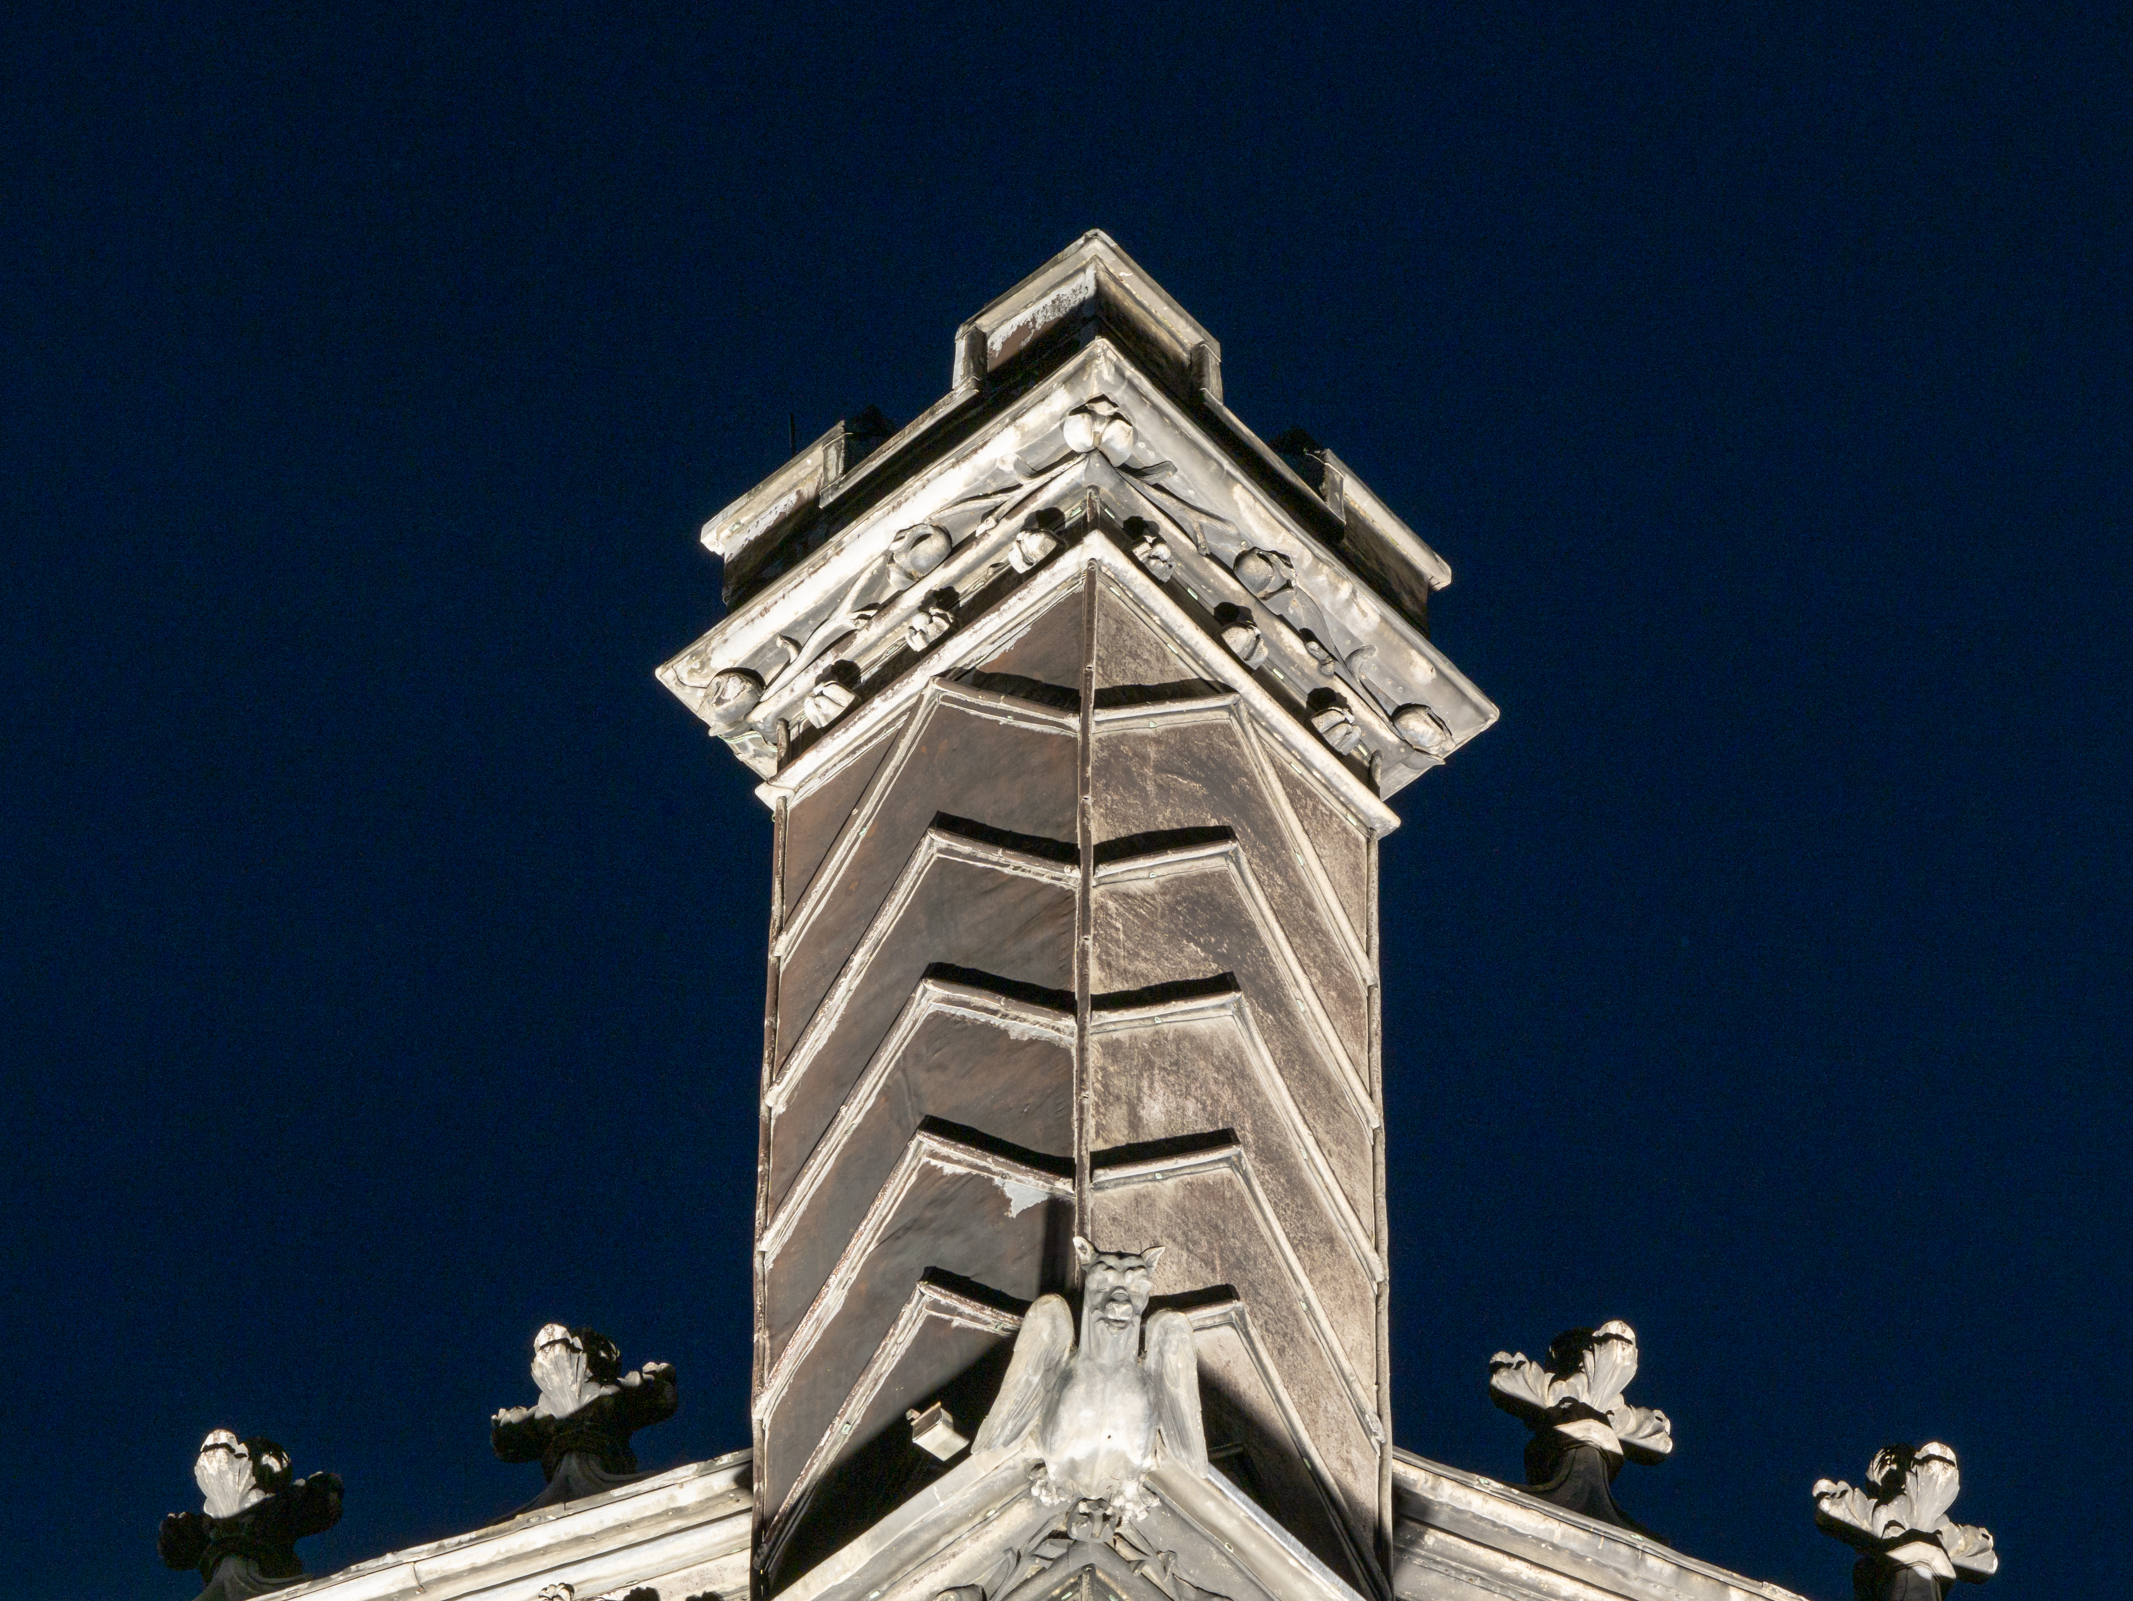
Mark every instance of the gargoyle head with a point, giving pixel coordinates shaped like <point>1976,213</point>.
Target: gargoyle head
<point>1114,1289</point>
<point>234,1474</point>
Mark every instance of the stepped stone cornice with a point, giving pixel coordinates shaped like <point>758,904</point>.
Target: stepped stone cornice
<point>855,564</point>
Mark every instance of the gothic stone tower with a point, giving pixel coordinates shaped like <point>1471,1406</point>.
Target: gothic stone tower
<point>1078,707</point>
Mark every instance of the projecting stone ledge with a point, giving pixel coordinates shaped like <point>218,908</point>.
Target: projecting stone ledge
<point>1087,407</point>
<point>1461,1537</point>
<point>683,1534</point>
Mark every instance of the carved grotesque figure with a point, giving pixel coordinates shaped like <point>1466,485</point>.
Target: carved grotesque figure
<point>1093,1415</point>
<point>1910,1550</point>
<point>1582,1428</point>
<point>579,1430</point>
<point>244,1542</point>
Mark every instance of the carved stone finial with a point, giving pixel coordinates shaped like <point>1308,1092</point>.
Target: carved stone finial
<point>579,1430</point>
<point>1335,722</point>
<point>1091,1416</point>
<point>1151,550</point>
<point>931,620</point>
<point>244,1541</point>
<point>1582,1428</point>
<point>1038,539</point>
<point>1910,1550</point>
<point>1423,729</point>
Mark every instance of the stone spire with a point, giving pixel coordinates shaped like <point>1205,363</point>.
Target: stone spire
<point>1077,706</point>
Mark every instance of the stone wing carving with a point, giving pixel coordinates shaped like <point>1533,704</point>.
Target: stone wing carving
<point>1173,1364</point>
<point>1040,1358</point>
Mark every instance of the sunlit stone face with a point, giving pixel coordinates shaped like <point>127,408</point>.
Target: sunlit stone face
<point>559,1368</point>
<point>1117,1287</point>
<point>224,1474</point>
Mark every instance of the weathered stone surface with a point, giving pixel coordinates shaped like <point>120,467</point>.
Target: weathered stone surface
<point>815,819</point>
<point>1193,912</point>
<point>960,1056</point>
<point>1209,1201</point>
<point>253,1511</point>
<point>1011,772</point>
<point>966,904</point>
<point>1077,723</point>
<point>1461,1537</point>
<point>1174,1069</point>
<point>1582,1427</point>
<point>579,1430</point>
<point>1910,1549</point>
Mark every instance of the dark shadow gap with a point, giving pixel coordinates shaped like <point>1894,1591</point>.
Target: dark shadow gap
<point>1051,850</point>
<point>1158,840</point>
<point>1176,989</point>
<point>1012,989</point>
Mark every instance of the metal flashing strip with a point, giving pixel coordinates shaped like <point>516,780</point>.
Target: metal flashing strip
<point>1217,664</point>
<point>1228,855</point>
<point>934,694</point>
<point>1228,1516</point>
<point>663,1524</point>
<point>1547,1546</point>
<point>1154,716</point>
<point>928,1300</point>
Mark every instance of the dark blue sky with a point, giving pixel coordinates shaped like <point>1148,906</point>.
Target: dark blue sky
<point>382,947</point>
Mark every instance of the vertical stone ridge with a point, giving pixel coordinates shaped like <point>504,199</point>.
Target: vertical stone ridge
<point>1084,904</point>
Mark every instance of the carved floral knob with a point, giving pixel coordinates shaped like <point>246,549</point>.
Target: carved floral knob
<point>1910,1549</point>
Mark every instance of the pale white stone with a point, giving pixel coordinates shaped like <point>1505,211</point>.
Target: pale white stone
<point>1338,727</point>
<point>934,1432</point>
<point>929,625</point>
<point>917,551</point>
<point>1031,546</point>
<point>1246,643</point>
<point>1905,1518</point>
<point>1605,1369</point>
<point>1458,1536</point>
<point>1423,729</point>
<point>691,1522</point>
<point>1154,554</point>
<point>826,702</point>
<point>224,1472</point>
<point>1261,572</point>
<point>1142,455</point>
<point>1093,1415</point>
